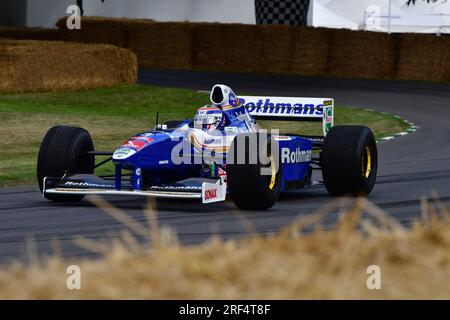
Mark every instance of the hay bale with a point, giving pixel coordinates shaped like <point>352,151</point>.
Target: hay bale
<point>423,57</point>
<point>105,35</point>
<point>52,66</point>
<point>362,54</point>
<point>102,22</point>
<point>30,33</point>
<point>227,47</point>
<point>276,48</point>
<point>162,45</point>
<point>309,51</point>
<point>104,30</point>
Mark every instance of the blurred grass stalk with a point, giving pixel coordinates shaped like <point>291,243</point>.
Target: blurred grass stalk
<point>292,264</point>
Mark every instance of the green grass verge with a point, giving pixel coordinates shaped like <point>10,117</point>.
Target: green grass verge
<point>114,114</point>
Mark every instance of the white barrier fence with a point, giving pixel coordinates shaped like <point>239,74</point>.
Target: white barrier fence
<point>383,15</point>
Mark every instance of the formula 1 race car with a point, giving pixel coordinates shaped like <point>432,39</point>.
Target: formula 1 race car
<point>221,151</point>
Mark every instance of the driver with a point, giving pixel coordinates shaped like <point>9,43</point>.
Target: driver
<point>212,117</point>
<point>209,118</point>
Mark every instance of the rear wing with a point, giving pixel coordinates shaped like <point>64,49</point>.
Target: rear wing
<point>292,109</point>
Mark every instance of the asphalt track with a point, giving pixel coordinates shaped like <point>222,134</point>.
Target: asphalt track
<point>409,167</point>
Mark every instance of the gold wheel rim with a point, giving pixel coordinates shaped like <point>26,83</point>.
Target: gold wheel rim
<point>273,178</point>
<point>367,165</point>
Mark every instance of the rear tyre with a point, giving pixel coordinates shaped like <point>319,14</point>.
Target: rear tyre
<point>249,188</point>
<point>63,150</point>
<point>349,161</point>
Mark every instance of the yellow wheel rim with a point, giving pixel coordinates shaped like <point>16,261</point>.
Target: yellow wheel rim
<point>273,178</point>
<point>367,165</point>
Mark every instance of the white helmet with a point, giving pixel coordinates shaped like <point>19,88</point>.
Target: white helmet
<point>222,95</point>
<point>208,119</point>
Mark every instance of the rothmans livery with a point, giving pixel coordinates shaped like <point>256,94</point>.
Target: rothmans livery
<point>222,151</point>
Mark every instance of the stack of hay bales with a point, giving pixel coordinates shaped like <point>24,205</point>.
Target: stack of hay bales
<point>276,48</point>
<point>157,45</point>
<point>104,35</point>
<point>227,47</point>
<point>359,54</point>
<point>29,65</point>
<point>97,30</point>
<point>424,57</point>
<point>162,45</point>
<point>310,51</point>
<point>30,33</point>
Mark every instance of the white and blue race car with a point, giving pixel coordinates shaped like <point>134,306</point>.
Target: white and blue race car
<point>221,151</point>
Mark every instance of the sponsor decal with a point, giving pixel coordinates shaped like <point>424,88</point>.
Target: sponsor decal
<point>232,100</point>
<point>175,188</point>
<point>270,107</point>
<point>231,129</point>
<point>328,118</point>
<point>226,108</point>
<point>201,141</point>
<point>222,172</point>
<point>135,144</point>
<point>222,175</point>
<point>212,169</point>
<point>123,153</point>
<point>210,194</point>
<point>282,138</point>
<point>163,162</point>
<point>137,171</point>
<point>143,138</point>
<point>213,192</point>
<point>296,156</point>
<point>329,115</point>
<point>87,184</point>
<point>212,140</point>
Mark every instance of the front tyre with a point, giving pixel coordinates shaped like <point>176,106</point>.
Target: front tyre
<point>64,150</point>
<point>254,175</point>
<point>349,161</point>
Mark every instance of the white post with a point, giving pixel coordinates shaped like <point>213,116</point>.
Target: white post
<point>389,18</point>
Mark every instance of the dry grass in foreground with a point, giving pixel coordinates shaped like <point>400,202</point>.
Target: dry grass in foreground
<point>414,262</point>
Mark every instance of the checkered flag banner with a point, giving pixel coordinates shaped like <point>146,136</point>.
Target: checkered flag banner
<point>290,12</point>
